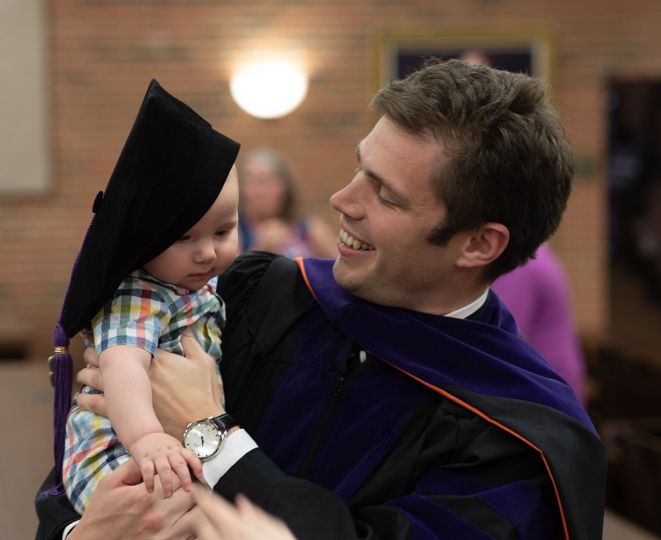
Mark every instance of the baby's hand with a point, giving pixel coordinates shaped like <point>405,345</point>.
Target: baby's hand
<point>162,454</point>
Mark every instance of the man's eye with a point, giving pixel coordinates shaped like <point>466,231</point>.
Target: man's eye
<point>378,189</point>
<point>385,202</point>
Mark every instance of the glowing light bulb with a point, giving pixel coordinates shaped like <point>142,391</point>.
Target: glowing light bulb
<point>269,89</point>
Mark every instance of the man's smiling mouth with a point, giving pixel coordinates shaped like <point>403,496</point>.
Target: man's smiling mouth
<point>352,243</point>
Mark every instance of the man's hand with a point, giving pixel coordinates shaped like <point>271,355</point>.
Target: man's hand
<point>216,519</point>
<point>162,454</point>
<point>91,376</point>
<point>186,389</point>
<point>121,508</point>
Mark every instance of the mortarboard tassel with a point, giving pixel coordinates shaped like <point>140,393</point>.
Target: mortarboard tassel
<point>61,366</point>
<point>61,373</point>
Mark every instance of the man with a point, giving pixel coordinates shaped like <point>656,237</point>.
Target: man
<point>388,394</point>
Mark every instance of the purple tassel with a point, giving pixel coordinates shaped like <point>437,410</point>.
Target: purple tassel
<point>62,366</point>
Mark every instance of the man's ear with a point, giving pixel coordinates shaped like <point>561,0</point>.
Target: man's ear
<point>484,245</point>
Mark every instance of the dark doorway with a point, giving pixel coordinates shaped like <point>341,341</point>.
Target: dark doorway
<point>634,181</point>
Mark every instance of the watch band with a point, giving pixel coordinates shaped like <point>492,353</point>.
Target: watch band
<point>225,422</point>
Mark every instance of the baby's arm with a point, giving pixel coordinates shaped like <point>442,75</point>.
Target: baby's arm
<point>129,403</point>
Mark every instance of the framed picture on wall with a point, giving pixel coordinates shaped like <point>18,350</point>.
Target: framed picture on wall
<point>398,53</point>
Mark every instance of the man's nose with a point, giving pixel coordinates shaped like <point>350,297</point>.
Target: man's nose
<point>336,200</point>
<point>346,201</point>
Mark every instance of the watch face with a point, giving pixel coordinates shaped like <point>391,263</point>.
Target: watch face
<point>203,438</point>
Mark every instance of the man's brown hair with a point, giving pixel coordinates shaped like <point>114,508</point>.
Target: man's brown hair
<point>509,158</point>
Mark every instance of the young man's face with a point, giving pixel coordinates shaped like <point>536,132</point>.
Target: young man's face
<point>207,249</point>
<point>389,209</point>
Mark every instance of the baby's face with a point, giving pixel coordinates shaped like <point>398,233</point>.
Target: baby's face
<point>208,248</point>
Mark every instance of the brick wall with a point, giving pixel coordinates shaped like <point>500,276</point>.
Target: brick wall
<point>103,54</point>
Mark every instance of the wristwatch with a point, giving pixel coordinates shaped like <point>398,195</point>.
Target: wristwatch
<point>204,437</point>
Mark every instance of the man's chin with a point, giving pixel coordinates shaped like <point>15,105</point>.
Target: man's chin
<point>350,279</point>
<point>338,270</point>
<point>341,274</point>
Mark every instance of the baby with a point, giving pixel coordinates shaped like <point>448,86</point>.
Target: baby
<point>162,233</point>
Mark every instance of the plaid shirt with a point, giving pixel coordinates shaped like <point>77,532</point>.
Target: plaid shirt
<point>145,313</point>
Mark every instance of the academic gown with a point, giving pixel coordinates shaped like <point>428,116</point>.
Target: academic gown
<point>449,428</point>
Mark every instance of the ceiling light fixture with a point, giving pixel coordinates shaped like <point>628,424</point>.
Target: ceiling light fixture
<point>269,89</point>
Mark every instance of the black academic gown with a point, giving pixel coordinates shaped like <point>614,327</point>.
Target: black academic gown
<point>448,429</point>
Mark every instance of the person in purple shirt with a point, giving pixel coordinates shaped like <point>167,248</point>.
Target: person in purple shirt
<point>538,296</point>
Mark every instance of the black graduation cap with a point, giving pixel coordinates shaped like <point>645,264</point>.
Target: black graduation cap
<point>169,173</point>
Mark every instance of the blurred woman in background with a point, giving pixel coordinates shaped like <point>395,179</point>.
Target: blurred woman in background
<point>268,219</point>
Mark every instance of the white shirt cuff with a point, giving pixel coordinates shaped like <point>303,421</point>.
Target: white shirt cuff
<point>69,528</point>
<point>237,445</point>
